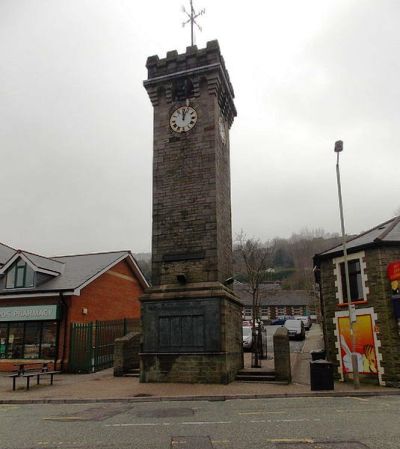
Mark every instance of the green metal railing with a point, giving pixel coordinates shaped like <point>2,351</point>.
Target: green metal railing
<point>92,344</point>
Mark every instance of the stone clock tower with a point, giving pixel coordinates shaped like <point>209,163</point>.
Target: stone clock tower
<point>191,318</point>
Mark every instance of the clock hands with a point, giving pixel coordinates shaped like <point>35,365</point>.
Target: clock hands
<point>184,111</point>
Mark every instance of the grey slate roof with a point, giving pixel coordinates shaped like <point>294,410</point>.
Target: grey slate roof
<point>273,295</point>
<point>6,252</point>
<point>382,234</point>
<point>44,262</point>
<point>75,270</point>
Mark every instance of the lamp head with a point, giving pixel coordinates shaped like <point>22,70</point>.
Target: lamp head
<point>338,146</point>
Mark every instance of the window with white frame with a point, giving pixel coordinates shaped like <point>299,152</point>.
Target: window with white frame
<point>297,310</point>
<point>20,275</point>
<point>281,310</point>
<point>248,311</point>
<point>357,278</point>
<point>265,312</point>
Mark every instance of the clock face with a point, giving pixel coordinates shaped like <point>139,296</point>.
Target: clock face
<point>222,131</point>
<point>183,119</point>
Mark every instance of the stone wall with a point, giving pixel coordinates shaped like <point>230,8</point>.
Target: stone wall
<point>126,353</point>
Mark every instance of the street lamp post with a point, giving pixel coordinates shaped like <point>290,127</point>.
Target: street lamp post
<point>352,312</point>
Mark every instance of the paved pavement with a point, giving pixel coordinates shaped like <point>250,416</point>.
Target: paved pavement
<point>103,385</point>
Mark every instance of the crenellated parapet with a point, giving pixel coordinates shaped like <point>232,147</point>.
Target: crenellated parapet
<point>180,76</point>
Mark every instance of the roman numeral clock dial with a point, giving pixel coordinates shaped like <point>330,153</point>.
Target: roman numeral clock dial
<point>183,119</point>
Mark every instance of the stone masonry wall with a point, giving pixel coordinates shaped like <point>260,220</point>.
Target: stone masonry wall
<point>191,174</point>
<point>126,353</point>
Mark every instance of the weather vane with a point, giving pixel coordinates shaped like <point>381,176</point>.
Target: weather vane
<point>192,18</point>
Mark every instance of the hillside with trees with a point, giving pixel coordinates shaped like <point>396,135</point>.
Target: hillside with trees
<point>288,261</point>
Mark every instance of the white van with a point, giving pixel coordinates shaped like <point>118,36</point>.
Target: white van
<point>295,329</point>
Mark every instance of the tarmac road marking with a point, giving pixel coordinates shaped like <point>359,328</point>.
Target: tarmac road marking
<point>357,399</point>
<point>65,418</point>
<point>204,423</point>
<point>201,423</point>
<point>136,424</point>
<point>352,410</point>
<point>185,423</point>
<point>261,412</point>
<point>290,440</point>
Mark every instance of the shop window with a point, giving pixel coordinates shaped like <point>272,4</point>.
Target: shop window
<point>3,339</point>
<point>20,275</point>
<point>32,340</point>
<point>15,341</point>
<point>49,338</point>
<point>28,340</point>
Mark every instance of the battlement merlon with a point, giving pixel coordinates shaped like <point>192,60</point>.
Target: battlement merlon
<point>197,64</point>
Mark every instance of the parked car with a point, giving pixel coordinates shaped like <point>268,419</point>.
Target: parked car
<point>280,319</point>
<point>248,339</point>
<point>295,329</point>
<point>306,321</point>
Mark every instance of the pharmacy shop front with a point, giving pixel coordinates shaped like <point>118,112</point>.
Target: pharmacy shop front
<point>29,332</point>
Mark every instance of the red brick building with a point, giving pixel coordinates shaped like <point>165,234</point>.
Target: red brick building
<point>40,297</point>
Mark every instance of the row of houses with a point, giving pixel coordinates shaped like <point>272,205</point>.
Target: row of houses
<point>275,301</point>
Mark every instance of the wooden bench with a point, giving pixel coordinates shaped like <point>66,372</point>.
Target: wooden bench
<point>30,369</point>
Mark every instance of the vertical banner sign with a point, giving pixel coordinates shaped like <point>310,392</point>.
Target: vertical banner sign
<point>393,274</point>
<point>365,345</point>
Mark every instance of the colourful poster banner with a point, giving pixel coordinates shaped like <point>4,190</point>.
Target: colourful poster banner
<point>393,271</point>
<point>365,344</point>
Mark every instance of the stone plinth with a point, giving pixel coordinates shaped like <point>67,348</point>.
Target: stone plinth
<point>282,355</point>
<point>195,334</point>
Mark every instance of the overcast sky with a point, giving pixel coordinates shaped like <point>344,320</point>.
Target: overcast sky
<point>76,122</point>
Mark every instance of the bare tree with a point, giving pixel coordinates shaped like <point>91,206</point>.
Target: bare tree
<point>302,247</point>
<point>254,259</point>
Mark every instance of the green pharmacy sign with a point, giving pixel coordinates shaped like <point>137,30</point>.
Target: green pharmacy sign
<point>29,313</point>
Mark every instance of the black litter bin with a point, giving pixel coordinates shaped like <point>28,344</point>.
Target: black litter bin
<point>321,375</point>
<point>318,354</point>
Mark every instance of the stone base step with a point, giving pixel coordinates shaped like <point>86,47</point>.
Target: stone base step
<point>132,373</point>
<point>255,376</point>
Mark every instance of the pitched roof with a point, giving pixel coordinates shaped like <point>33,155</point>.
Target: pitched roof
<point>72,272</point>
<point>6,252</point>
<point>38,263</point>
<point>273,295</point>
<point>382,234</point>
